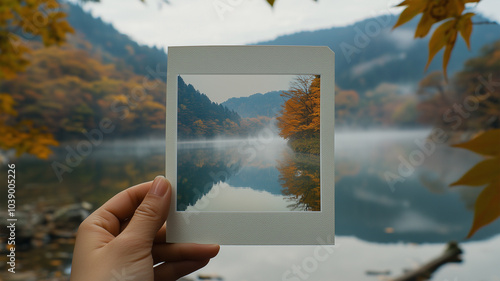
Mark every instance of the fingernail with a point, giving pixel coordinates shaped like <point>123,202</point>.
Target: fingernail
<point>159,187</point>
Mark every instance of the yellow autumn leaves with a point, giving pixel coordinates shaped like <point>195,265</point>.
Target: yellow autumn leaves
<point>21,21</point>
<point>433,12</point>
<point>455,21</point>
<point>486,172</point>
<point>23,136</point>
<point>299,119</point>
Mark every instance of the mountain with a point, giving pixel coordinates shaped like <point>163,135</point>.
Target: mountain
<point>113,46</point>
<point>369,52</point>
<point>267,104</point>
<point>96,76</point>
<point>198,116</point>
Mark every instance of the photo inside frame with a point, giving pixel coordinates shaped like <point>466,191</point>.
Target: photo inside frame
<point>248,143</point>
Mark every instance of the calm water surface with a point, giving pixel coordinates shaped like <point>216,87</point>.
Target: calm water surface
<point>246,175</point>
<point>378,226</point>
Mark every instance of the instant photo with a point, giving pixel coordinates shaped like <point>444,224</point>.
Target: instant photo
<point>250,144</point>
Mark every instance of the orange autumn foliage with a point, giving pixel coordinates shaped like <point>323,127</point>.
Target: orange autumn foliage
<point>22,136</point>
<point>300,116</point>
<point>300,179</point>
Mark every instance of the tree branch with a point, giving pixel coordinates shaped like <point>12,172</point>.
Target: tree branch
<point>451,254</point>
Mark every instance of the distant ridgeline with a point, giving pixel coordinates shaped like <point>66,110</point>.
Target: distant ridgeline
<point>268,104</point>
<point>200,118</point>
<point>96,75</point>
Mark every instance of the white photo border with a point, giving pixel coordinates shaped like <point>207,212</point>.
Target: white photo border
<point>254,228</point>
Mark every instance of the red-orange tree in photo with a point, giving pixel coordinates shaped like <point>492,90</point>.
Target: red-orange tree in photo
<point>299,121</point>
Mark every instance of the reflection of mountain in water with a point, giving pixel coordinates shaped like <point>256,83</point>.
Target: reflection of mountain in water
<point>422,208</point>
<point>365,205</point>
<point>253,168</point>
<point>263,179</point>
<point>198,169</point>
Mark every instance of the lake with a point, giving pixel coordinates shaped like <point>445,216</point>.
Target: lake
<point>379,225</point>
<point>251,175</point>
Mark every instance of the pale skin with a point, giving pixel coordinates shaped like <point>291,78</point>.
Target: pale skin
<point>125,237</point>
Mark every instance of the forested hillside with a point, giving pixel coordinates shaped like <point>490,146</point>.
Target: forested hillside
<point>101,74</point>
<point>67,91</point>
<point>114,47</point>
<point>98,76</point>
<point>199,117</point>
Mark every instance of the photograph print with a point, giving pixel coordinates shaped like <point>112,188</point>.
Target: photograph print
<point>248,143</point>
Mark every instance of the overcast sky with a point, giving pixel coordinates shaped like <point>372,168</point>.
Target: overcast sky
<point>220,88</point>
<point>214,22</point>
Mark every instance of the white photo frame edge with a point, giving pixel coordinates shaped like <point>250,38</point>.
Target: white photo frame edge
<point>254,228</point>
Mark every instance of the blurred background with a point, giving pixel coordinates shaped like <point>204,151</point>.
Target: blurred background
<point>82,110</point>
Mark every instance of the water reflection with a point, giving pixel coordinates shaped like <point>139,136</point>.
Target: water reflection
<point>300,178</point>
<point>224,197</point>
<point>422,209</point>
<point>199,168</point>
<point>232,175</point>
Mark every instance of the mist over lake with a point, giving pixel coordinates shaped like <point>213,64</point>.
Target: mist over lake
<point>369,215</point>
<point>250,170</point>
<point>421,209</point>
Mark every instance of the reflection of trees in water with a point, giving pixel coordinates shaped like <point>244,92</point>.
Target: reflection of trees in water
<point>300,179</point>
<point>96,179</point>
<point>199,169</point>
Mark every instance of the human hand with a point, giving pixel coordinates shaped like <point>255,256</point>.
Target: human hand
<point>125,237</point>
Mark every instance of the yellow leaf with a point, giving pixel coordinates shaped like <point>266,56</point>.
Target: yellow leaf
<point>487,143</point>
<point>487,207</point>
<point>414,7</point>
<point>424,25</point>
<point>453,8</point>
<point>482,173</point>
<point>7,105</point>
<point>439,39</point>
<point>465,27</point>
<point>447,51</point>
<point>436,11</point>
<point>271,2</point>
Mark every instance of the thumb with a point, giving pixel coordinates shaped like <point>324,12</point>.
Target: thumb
<point>153,211</point>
